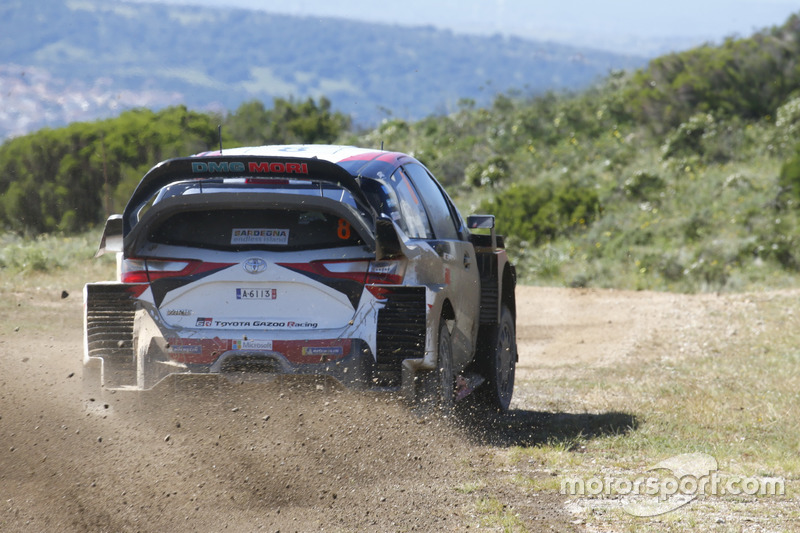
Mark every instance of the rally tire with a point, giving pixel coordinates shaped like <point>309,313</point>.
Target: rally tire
<point>437,387</point>
<point>498,358</point>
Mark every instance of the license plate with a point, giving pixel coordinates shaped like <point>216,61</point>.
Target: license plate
<point>256,294</point>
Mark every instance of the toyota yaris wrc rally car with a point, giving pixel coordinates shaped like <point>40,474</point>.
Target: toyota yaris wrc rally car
<point>323,260</point>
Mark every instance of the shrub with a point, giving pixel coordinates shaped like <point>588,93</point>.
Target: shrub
<point>492,173</point>
<point>540,213</point>
<point>687,139</point>
<point>643,185</point>
<point>787,124</point>
<point>789,177</point>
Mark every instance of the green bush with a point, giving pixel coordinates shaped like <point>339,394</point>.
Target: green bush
<point>688,138</point>
<point>540,213</point>
<point>787,124</point>
<point>643,185</point>
<point>789,177</point>
<point>491,174</point>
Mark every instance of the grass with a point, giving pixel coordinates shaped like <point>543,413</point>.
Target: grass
<point>498,516</point>
<point>470,487</point>
<point>730,400</point>
<point>53,260</point>
<point>727,387</point>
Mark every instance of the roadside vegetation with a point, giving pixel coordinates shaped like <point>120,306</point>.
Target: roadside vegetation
<point>52,262</point>
<point>683,176</point>
<point>723,385</point>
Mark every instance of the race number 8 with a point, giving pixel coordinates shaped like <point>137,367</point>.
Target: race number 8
<point>343,231</point>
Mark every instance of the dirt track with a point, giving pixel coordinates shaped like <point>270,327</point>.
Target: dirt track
<point>255,458</point>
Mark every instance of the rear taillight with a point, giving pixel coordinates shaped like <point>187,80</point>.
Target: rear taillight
<point>147,270</point>
<point>372,274</point>
<point>382,273</point>
<point>355,270</point>
<point>386,272</point>
<point>367,272</point>
<point>133,271</point>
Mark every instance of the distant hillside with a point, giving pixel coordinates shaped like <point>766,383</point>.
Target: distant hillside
<point>747,78</point>
<point>66,60</point>
<point>682,176</point>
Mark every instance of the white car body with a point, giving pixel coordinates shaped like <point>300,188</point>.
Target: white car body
<point>309,259</point>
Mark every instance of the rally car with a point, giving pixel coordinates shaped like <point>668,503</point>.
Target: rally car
<point>324,260</point>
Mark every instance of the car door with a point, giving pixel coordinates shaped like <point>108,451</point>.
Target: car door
<point>461,275</point>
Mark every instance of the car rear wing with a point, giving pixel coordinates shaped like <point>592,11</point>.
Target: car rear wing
<point>138,238</point>
<point>216,167</point>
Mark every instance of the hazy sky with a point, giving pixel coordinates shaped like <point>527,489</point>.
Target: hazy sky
<point>642,27</point>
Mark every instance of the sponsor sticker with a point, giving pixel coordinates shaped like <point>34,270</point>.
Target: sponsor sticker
<point>260,236</point>
<point>256,294</point>
<point>301,325</point>
<point>278,168</point>
<point>261,167</point>
<point>266,324</point>
<point>252,345</point>
<point>179,312</point>
<point>322,350</point>
<point>188,349</point>
<point>217,167</point>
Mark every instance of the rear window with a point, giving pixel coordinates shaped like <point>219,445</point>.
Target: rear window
<point>248,185</point>
<point>256,229</point>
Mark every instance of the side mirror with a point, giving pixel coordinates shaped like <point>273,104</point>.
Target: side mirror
<point>480,222</point>
<point>483,222</point>
<point>112,236</point>
<point>387,241</point>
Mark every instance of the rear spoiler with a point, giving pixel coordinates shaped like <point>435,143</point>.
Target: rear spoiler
<point>134,241</point>
<point>215,167</point>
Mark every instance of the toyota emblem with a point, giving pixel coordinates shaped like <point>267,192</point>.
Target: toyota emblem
<point>254,265</point>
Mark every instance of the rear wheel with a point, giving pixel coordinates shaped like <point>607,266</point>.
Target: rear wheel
<point>498,361</point>
<point>438,386</point>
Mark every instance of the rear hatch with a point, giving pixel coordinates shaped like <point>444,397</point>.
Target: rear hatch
<point>253,243</point>
<point>260,291</point>
<point>261,266</point>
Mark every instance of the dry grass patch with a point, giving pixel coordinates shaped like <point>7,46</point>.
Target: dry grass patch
<point>727,387</point>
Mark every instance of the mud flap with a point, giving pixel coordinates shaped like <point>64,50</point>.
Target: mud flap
<point>401,333</point>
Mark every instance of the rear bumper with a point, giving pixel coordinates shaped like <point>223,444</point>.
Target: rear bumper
<point>162,352</point>
<point>353,368</point>
<point>368,353</point>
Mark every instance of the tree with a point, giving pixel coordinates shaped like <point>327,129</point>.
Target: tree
<point>288,122</point>
<point>64,180</point>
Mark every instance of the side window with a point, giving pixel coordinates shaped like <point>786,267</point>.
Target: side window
<point>383,199</point>
<point>441,217</point>
<point>411,208</point>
